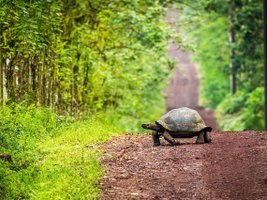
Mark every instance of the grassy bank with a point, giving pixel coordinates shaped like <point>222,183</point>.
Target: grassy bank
<point>53,157</point>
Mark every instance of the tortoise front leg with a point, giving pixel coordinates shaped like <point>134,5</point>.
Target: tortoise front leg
<point>200,138</point>
<point>155,137</point>
<point>169,138</point>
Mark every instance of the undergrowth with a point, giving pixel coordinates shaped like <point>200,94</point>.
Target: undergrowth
<point>242,111</point>
<point>54,157</point>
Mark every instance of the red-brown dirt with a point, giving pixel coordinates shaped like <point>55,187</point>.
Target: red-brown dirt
<point>232,167</point>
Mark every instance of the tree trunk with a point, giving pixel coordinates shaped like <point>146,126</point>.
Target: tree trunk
<point>10,69</point>
<point>44,100</point>
<point>1,76</point>
<point>232,41</point>
<point>75,92</point>
<point>85,84</point>
<point>265,58</point>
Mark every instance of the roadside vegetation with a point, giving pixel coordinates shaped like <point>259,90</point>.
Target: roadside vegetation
<point>73,74</point>
<point>52,157</point>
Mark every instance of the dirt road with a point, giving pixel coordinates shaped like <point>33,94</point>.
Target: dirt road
<point>233,166</point>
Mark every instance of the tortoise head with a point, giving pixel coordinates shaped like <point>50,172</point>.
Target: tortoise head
<point>148,126</point>
<point>152,127</point>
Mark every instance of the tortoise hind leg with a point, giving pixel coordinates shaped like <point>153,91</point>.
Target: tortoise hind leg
<point>207,137</point>
<point>170,139</point>
<point>200,138</point>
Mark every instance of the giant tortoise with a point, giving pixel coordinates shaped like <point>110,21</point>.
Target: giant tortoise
<point>179,123</point>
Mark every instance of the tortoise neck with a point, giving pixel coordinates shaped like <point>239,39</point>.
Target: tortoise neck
<point>157,127</point>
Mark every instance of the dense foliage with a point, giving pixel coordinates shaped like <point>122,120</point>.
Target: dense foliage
<point>245,108</point>
<point>83,56</point>
<point>228,41</point>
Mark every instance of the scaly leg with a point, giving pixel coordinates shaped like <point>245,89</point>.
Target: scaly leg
<point>200,138</point>
<point>155,137</point>
<point>169,138</point>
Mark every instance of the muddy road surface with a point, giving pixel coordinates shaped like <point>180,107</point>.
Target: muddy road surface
<point>233,166</point>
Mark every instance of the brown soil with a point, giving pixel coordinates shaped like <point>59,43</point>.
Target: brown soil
<point>233,166</point>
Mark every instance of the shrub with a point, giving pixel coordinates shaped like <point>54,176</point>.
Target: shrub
<point>242,111</point>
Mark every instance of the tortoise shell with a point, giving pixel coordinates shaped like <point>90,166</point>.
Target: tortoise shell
<point>183,119</point>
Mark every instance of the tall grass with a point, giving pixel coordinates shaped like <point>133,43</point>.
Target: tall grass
<point>53,157</point>
<point>70,168</point>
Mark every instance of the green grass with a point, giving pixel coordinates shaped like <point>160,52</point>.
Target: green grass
<point>52,158</point>
<point>56,157</point>
<point>71,163</point>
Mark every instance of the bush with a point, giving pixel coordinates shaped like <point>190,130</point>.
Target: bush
<point>242,111</point>
<point>22,128</point>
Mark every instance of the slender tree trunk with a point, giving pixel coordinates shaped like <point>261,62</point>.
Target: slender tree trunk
<point>52,80</point>
<point>17,80</point>
<point>44,100</point>
<point>75,92</point>
<point>265,58</point>
<point>28,76</point>
<point>10,79</point>
<point>33,76</point>
<point>4,81</point>
<point>39,84</point>
<point>85,84</point>
<point>53,89</point>
<point>232,41</point>
<point>1,76</point>
<point>13,83</point>
<point>59,103</point>
<point>22,78</point>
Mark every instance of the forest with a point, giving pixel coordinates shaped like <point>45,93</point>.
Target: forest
<point>73,73</point>
<point>227,37</point>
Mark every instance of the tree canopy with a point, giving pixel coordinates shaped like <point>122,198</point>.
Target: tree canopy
<point>83,56</point>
